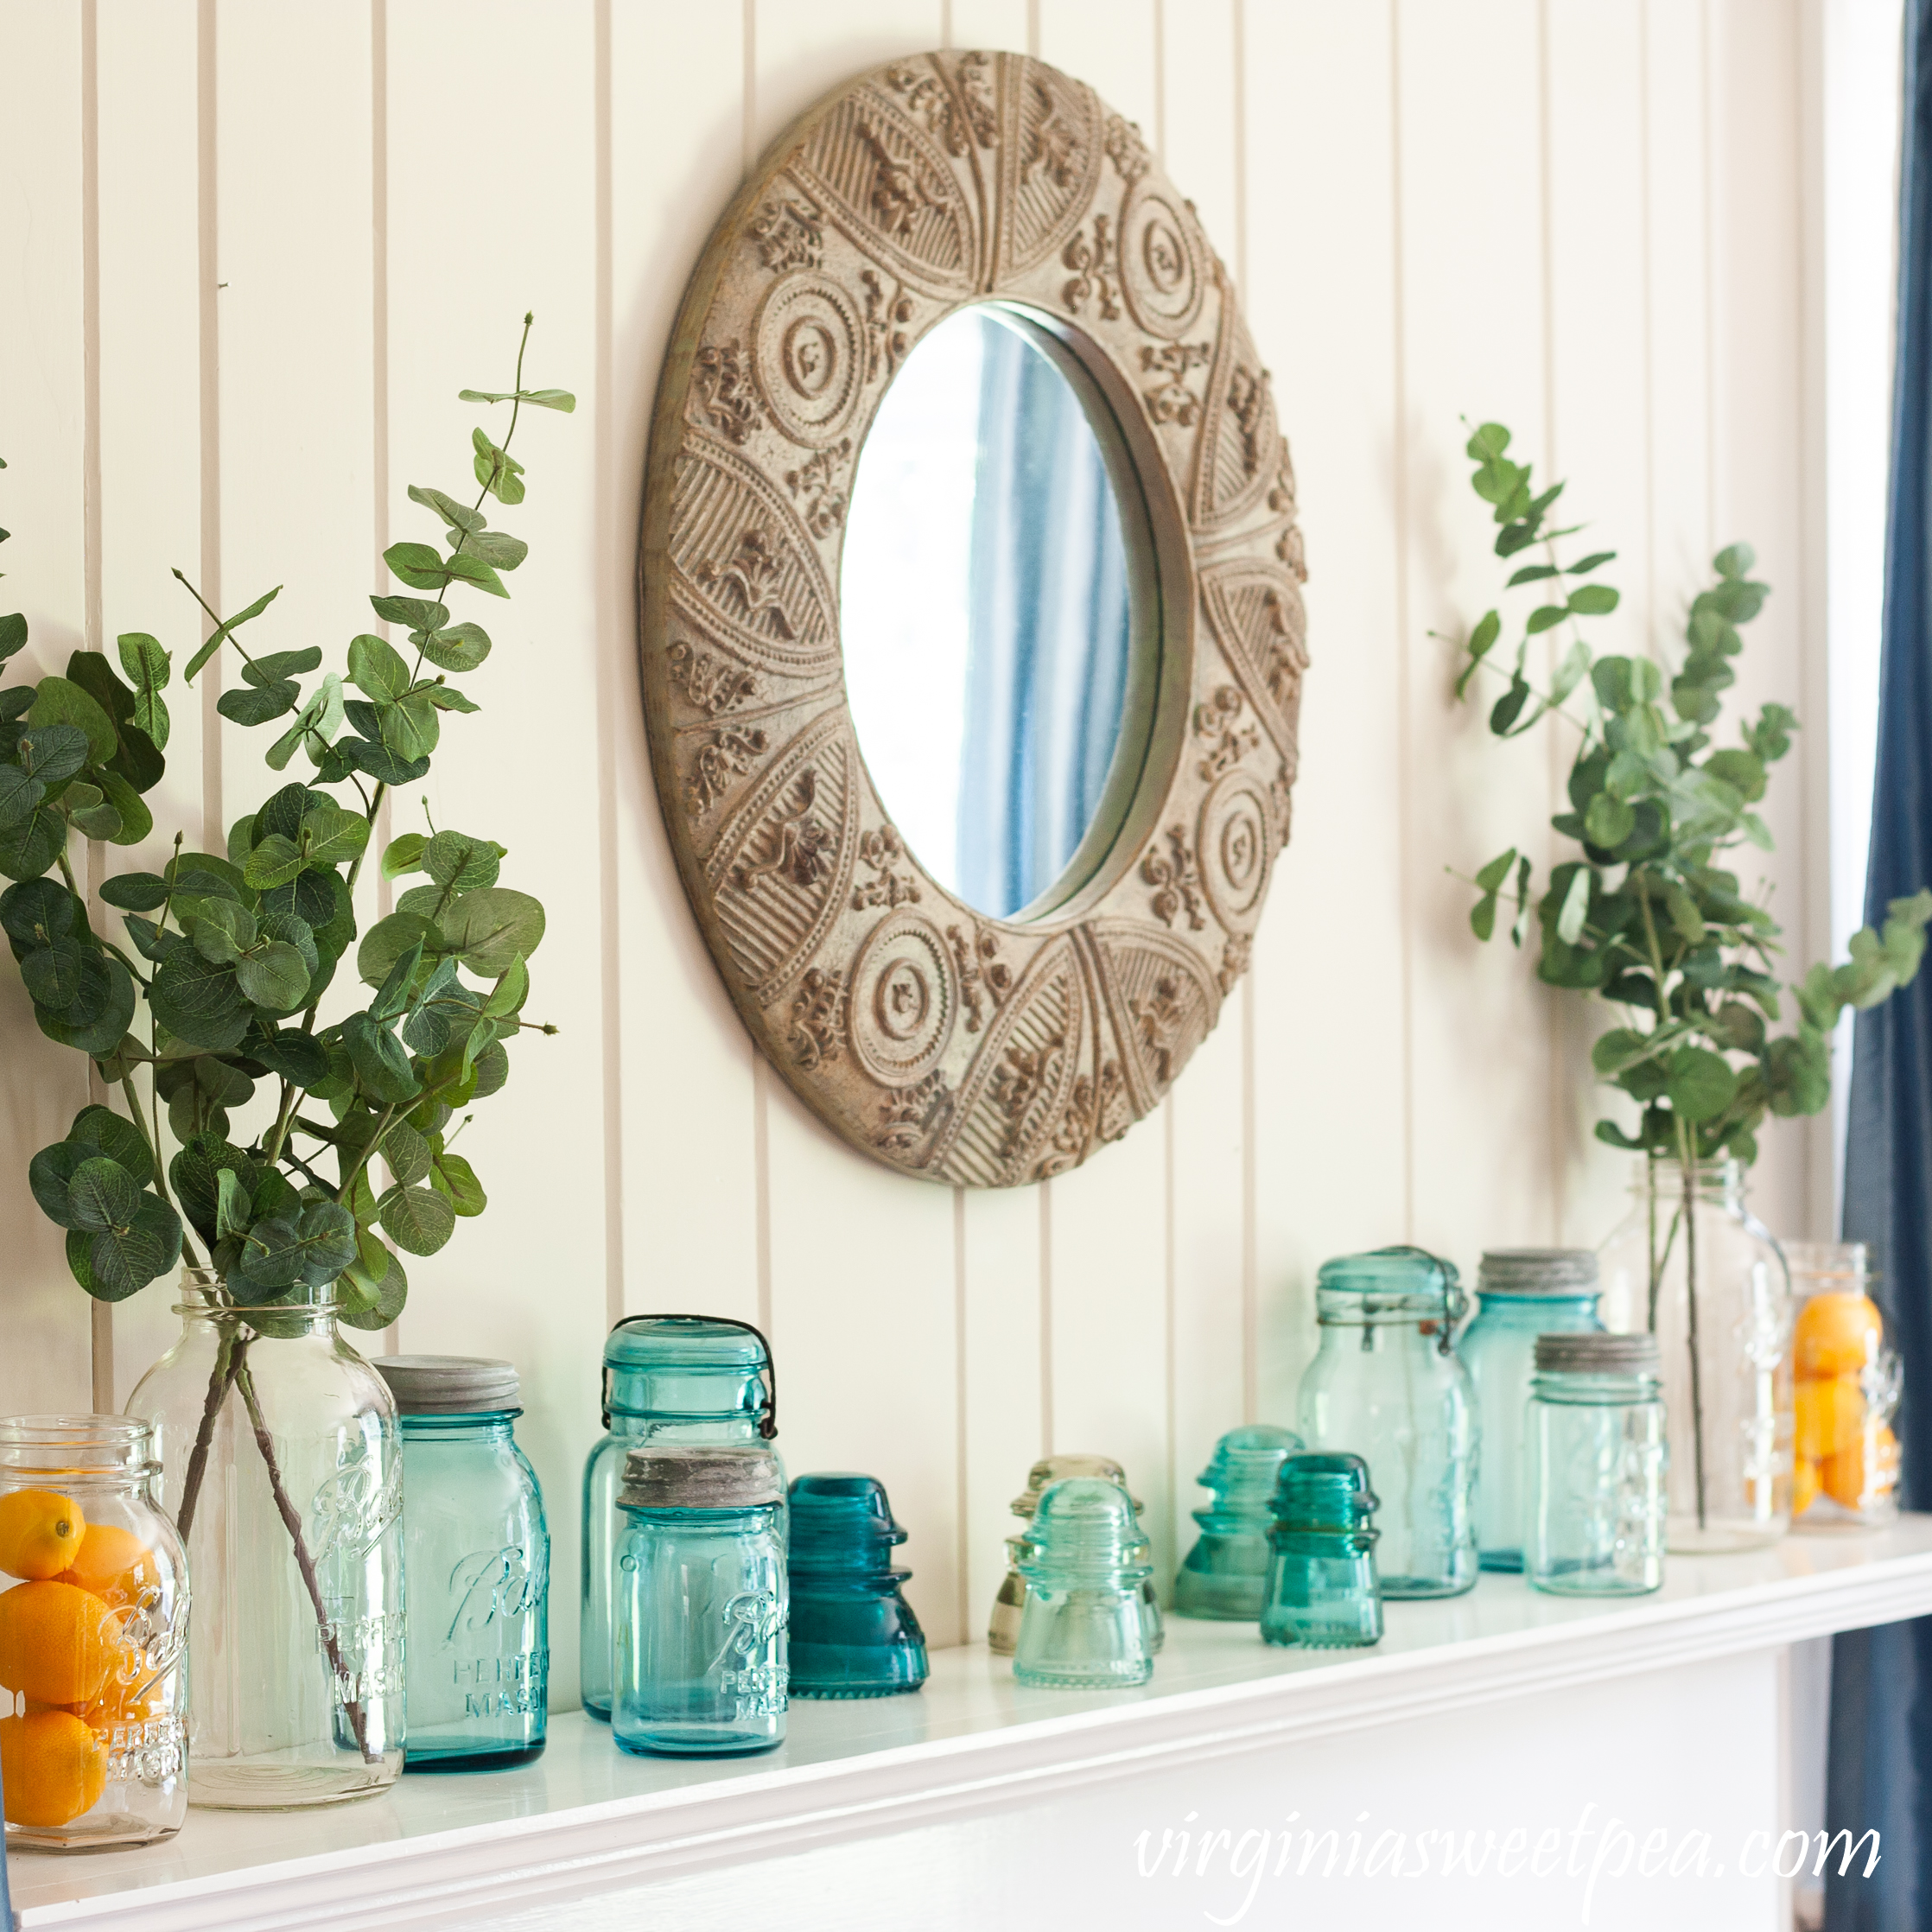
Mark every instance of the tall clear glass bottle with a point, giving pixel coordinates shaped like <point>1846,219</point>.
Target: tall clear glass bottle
<point>476,1551</point>
<point>282,1465</point>
<point>1387,1385</point>
<point>669,1381</point>
<point>1521,1292</point>
<point>1693,1266</point>
<point>93,1632</point>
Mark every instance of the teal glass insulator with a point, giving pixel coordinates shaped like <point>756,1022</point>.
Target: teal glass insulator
<point>1386,1384</point>
<point>1321,1591</point>
<point>1086,1567</point>
<point>1521,1292</point>
<point>1003,1629</point>
<point>852,1633</point>
<point>476,1560</point>
<point>1226,1572</point>
<point>700,1603</point>
<point>671,1380</point>
<point>1599,1458</point>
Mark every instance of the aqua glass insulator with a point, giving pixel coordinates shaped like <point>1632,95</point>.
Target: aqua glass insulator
<point>1322,1591</point>
<point>1002,1630</point>
<point>700,1601</point>
<point>1087,1567</point>
<point>1226,1570</point>
<point>1522,1293</point>
<point>669,1381</point>
<point>852,1634</point>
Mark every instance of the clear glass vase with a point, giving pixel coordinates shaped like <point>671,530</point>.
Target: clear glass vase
<point>93,1623</point>
<point>282,1466</point>
<point>1692,1264</point>
<point>1846,1387</point>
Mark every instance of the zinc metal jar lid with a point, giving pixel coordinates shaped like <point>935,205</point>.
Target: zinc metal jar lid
<point>1596,1355</point>
<point>448,1384</point>
<point>1537,1271</point>
<point>701,1479</point>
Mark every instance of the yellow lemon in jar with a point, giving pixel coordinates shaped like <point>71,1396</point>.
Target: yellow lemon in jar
<point>113,1564</point>
<point>56,1642</point>
<point>41,1532</point>
<point>1804,1485</point>
<point>1851,1479</point>
<point>54,1768</point>
<point>1836,1334</point>
<point>1830,1414</point>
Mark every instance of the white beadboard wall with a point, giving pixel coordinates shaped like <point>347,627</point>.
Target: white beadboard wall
<point>249,249</point>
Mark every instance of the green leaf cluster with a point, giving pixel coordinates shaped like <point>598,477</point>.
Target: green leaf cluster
<point>1651,915</point>
<point>210,992</point>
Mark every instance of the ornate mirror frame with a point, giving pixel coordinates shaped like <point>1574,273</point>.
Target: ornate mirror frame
<point>952,1047</point>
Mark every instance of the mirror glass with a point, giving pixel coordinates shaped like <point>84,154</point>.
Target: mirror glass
<point>986,608</point>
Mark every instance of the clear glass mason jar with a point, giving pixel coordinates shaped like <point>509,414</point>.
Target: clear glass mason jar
<point>1693,1266</point>
<point>1521,1292</point>
<point>1387,1385</point>
<point>669,1381</point>
<point>701,1603</point>
<point>1597,1454</point>
<point>1846,1384</point>
<point>282,1463</point>
<point>93,1628</point>
<point>476,1553</point>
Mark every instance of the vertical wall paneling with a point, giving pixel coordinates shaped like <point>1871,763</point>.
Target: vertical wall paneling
<point>43,503</point>
<point>1327,973</point>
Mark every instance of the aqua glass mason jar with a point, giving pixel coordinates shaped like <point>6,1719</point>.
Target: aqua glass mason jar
<point>1387,1385</point>
<point>851,1631</point>
<point>93,1633</point>
<point>1597,1454</point>
<point>1225,1574</point>
<point>1321,1591</point>
<point>1692,1264</point>
<point>669,1381</point>
<point>1086,1567</point>
<point>282,1462</point>
<point>700,1603</point>
<point>476,1554</point>
<point>1521,1292</point>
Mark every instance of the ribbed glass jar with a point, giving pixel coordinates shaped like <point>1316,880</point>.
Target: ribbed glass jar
<point>1693,1266</point>
<point>701,1601</point>
<point>1322,1592</point>
<point>1597,1454</point>
<point>93,1631</point>
<point>669,1381</point>
<point>1846,1384</point>
<point>1225,1574</point>
<point>281,1462</point>
<point>1521,1292</point>
<point>476,1551</point>
<point>1386,1384</point>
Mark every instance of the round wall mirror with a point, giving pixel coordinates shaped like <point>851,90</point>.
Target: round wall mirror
<point>987,619</point>
<point>971,622</point>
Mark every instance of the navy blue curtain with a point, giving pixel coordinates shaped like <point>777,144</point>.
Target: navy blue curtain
<point>1881,1723</point>
<point>1046,668</point>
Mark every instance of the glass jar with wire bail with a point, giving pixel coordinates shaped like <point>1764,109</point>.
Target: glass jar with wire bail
<point>1387,1385</point>
<point>93,1628</point>
<point>1521,1292</point>
<point>669,1382</point>
<point>476,1558</point>
<point>1597,1454</point>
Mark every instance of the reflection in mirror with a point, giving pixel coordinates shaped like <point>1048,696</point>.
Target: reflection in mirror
<point>985,609</point>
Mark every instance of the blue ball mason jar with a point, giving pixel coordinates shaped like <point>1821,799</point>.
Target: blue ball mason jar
<point>476,1562</point>
<point>1522,1293</point>
<point>669,1381</point>
<point>1387,1385</point>
<point>700,1603</point>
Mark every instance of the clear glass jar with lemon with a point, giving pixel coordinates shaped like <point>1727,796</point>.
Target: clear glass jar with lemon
<point>1847,1386</point>
<point>93,1623</point>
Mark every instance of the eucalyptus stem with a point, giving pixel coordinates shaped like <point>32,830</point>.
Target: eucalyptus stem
<point>228,1356</point>
<point>1687,1160</point>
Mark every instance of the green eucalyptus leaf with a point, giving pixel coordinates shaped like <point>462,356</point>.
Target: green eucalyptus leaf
<point>1592,600</point>
<point>272,976</point>
<point>385,765</point>
<point>407,1154</point>
<point>121,1261</point>
<point>380,1060</point>
<point>136,758</point>
<point>134,821</point>
<point>37,911</point>
<point>102,1031</point>
<point>454,1177</point>
<point>1575,906</point>
<point>376,668</point>
<point>296,1057</point>
<point>458,516</point>
<point>1702,1085</point>
<point>221,931</point>
<point>101,1194</point>
<point>374,1287</point>
<point>49,1174</point>
<point>447,697</point>
<point>19,793</point>
<point>274,861</point>
<point>419,1220</point>
<point>495,548</point>
<point>59,701</point>
<point>13,634</point>
<point>458,647</point>
<point>53,751</point>
<point>51,973</point>
<point>492,1070</point>
<point>490,928</point>
<point>1608,821</point>
<point>246,705</point>
<point>334,837</point>
<point>233,1207</point>
<point>386,942</point>
<point>497,470</point>
<point>413,613</point>
<point>461,863</point>
<point>30,845</point>
<point>148,668</point>
<point>403,854</point>
<point>543,398</point>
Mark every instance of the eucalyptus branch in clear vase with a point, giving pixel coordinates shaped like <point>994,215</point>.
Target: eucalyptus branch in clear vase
<point>211,997</point>
<point>1650,916</point>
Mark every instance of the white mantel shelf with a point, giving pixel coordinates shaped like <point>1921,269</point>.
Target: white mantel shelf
<point>586,1818</point>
